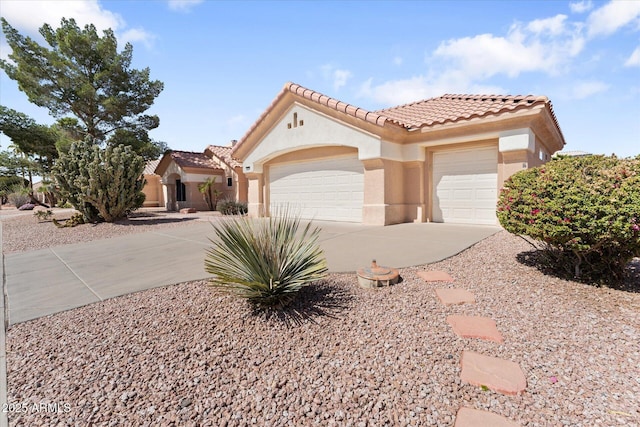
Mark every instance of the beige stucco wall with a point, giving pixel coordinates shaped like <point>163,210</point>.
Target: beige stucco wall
<point>152,189</point>
<point>313,130</point>
<point>238,189</point>
<point>194,198</point>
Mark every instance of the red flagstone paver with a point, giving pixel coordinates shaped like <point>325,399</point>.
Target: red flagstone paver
<point>435,276</point>
<point>455,296</point>
<point>499,375</point>
<point>475,327</point>
<point>468,417</point>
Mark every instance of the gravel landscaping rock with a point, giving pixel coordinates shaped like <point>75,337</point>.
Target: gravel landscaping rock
<point>343,355</point>
<point>25,233</point>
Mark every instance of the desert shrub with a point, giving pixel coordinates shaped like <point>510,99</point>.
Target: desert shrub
<point>43,215</point>
<point>584,213</point>
<point>231,207</point>
<point>18,196</point>
<point>76,219</point>
<point>8,184</point>
<point>265,260</point>
<point>102,184</point>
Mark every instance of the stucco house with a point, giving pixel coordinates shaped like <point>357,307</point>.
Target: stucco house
<point>235,183</point>
<point>441,159</point>
<point>181,172</point>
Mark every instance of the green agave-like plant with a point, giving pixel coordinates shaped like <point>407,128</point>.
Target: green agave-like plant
<point>265,260</point>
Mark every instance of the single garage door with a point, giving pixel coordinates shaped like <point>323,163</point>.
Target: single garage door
<point>331,189</point>
<point>465,186</point>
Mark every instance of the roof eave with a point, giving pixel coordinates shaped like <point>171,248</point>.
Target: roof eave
<point>314,100</point>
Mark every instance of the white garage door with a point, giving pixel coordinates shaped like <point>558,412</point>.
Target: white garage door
<point>465,186</point>
<point>322,189</point>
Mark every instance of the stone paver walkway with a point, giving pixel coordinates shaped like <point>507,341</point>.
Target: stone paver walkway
<point>468,417</point>
<point>455,296</point>
<point>483,328</point>
<point>435,276</point>
<point>499,375</point>
<point>503,376</point>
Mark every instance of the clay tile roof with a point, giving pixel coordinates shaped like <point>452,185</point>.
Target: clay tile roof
<point>421,114</point>
<point>318,98</point>
<point>189,159</point>
<point>454,108</point>
<point>150,167</point>
<point>224,154</point>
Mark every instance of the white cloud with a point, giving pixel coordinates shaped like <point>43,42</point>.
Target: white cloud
<point>465,65</point>
<point>340,78</point>
<point>28,16</point>
<point>134,35</point>
<point>613,16</point>
<point>403,91</point>
<point>336,76</point>
<point>183,5</point>
<point>581,6</point>
<point>634,59</point>
<point>550,26</point>
<point>585,89</point>
<point>542,45</point>
<point>545,46</point>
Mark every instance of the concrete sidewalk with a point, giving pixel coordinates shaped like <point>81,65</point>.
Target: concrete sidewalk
<point>56,279</point>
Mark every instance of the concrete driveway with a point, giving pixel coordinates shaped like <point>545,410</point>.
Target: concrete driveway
<point>47,281</point>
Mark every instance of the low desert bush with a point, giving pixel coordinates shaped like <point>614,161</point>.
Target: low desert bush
<point>265,260</point>
<point>231,207</point>
<point>584,212</point>
<point>43,215</point>
<point>76,219</point>
<point>18,196</point>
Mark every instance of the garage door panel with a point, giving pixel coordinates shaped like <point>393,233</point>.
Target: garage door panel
<point>465,186</point>
<point>321,189</point>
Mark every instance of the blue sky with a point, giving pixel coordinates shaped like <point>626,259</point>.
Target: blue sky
<point>223,62</point>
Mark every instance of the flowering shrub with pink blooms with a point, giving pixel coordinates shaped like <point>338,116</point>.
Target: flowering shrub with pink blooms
<point>583,212</point>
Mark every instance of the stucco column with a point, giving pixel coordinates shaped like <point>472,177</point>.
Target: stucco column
<point>383,192</point>
<point>241,186</point>
<point>170,197</point>
<point>255,196</point>
<point>415,191</point>
<point>515,149</point>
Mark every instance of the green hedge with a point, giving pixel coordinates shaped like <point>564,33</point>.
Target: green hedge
<point>583,211</point>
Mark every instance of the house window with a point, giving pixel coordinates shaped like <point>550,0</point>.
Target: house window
<point>229,181</point>
<point>181,191</point>
<point>542,155</point>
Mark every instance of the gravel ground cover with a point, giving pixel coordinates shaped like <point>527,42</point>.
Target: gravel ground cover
<point>185,355</point>
<point>21,231</point>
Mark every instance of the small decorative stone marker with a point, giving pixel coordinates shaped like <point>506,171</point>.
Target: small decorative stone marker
<point>376,276</point>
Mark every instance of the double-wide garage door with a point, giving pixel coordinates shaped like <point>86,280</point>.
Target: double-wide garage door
<point>328,189</point>
<point>465,186</point>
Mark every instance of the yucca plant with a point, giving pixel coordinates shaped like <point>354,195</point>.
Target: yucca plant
<point>265,260</point>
